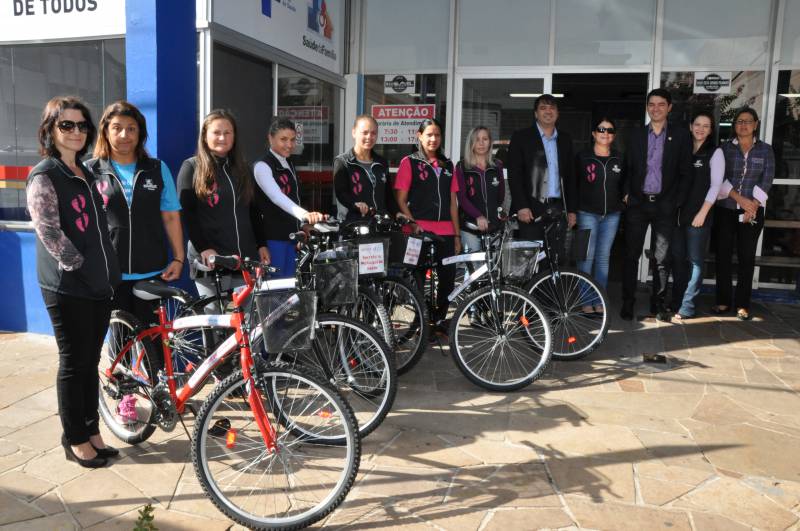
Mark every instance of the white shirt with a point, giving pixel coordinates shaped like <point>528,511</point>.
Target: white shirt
<point>266,181</point>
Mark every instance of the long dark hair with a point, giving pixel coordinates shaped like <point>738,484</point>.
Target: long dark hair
<point>102,150</point>
<point>205,172</point>
<point>424,125</point>
<point>52,111</point>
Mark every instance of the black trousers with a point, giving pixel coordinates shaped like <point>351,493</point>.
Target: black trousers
<point>124,299</point>
<point>80,327</point>
<point>446,274</point>
<point>742,238</point>
<point>660,216</point>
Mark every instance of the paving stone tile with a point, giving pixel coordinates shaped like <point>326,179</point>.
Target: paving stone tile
<point>13,510</point>
<point>54,467</point>
<point>189,498</point>
<point>493,452</point>
<point>16,459</point>
<point>601,441</point>
<point>100,495</point>
<point>716,522</point>
<point>24,486</point>
<point>524,485</point>
<point>623,517</point>
<point>660,492</point>
<point>631,386</point>
<point>673,449</point>
<point>540,517</point>
<point>422,449</point>
<point>597,479</point>
<point>665,405</point>
<point>603,415</point>
<point>413,486</point>
<point>734,500</point>
<point>453,517</point>
<point>56,522</point>
<point>155,476</point>
<point>784,493</point>
<point>50,503</point>
<point>38,436</point>
<point>164,520</point>
<point>676,474</point>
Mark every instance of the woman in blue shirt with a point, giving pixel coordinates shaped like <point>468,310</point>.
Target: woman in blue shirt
<point>141,205</point>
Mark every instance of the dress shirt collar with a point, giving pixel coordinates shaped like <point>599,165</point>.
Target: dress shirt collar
<point>545,137</point>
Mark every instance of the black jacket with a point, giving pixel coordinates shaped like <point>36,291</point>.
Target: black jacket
<point>527,168</point>
<point>137,232</point>
<point>675,166</point>
<point>83,221</point>
<point>597,185</point>
<point>698,186</point>
<point>429,195</point>
<point>352,186</point>
<point>222,221</point>
<point>278,224</point>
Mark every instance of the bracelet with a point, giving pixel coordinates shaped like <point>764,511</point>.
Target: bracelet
<point>178,260</point>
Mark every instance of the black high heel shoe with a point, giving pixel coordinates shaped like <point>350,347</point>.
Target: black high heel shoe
<point>106,453</point>
<point>95,462</point>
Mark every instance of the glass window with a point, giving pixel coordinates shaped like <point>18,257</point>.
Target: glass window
<point>313,105</point>
<point>782,222</point>
<point>394,134</point>
<point>32,74</point>
<point>523,40</point>
<point>790,47</point>
<point>612,32</point>
<point>716,32</point>
<point>250,98</point>
<point>412,35</point>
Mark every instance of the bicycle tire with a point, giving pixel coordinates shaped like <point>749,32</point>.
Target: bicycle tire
<point>225,435</point>
<point>137,379</point>
<point>402,300</point>
<point>575,333</point>
<point>357,362</point>
<point>507,358</point>
<point>369,309</point>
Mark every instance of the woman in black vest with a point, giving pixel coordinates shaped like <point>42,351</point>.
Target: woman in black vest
<point>141,204</point>
<point>278,196</point>
<point>426,189</point>
<point>215,188</point>
<point>689,240</point>
<point>360,175</point>
<point>77,270</point>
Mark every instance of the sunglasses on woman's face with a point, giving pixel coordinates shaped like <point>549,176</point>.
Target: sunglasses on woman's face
<point>67,126</point>
<point>609,130</point>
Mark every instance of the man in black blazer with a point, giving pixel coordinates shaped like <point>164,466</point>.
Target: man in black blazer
<point>658,165</point>
<point>540,162</point>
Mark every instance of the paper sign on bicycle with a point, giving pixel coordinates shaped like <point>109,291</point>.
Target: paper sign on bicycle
<point>413,249</point>
<point>371,258</point>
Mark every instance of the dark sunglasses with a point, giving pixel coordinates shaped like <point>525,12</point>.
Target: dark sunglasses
<point>66,126</point>
<point>609,130</point>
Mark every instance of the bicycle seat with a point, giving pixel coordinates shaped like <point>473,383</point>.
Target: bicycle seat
<point>151,290</point>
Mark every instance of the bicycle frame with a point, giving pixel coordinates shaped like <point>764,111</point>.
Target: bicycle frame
<point>240,338</point>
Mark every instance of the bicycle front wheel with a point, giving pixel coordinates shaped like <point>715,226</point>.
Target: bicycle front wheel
<point>409,318</point>
<point>569,299</point>
<point>500,338</point>
<point>302,479</point>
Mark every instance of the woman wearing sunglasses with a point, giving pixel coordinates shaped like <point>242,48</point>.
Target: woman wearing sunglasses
<point>688,245</point>
<point>596,195</point>
<point>749,170</point>
<point>141,204</point>
<point>77,270</point>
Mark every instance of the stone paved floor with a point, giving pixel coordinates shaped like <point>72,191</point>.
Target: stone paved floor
<point>709,441</point>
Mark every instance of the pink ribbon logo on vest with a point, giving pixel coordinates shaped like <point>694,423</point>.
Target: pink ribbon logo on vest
<point>471,186</point>
<point>423,171</point>
<point>103,187</point>
<point>213,198</point>
<point>356,178</point>
<point>79,205</point>
<point>591,171</point>
<point>285,183</point>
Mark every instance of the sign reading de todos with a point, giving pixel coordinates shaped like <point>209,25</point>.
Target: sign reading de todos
<point>33,20</point>
<point>398,124</point>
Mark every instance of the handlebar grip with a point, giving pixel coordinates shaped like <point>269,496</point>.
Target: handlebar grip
<point>299,236</point>
<point>200,266</point>
<point>233,262</point>
<point>431,236</point>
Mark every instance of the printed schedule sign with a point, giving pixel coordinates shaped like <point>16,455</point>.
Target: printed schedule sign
<point>398,124</point>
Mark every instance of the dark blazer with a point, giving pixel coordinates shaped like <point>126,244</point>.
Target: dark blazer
<point>676,166</point>
<point>527,168</point>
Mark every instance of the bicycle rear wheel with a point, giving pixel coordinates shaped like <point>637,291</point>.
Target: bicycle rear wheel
<point>369,309</point>
<point>409,318</point>
<point>500,338</point>
<point>124,402</point>
<point>300,482</point>
<point>565,299</point>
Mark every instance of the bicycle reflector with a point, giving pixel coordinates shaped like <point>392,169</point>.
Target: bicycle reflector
<point>571,339</point>
<point>324,413</point>
<point>230,438</point>
<point>524,321</point>
<point>353,362</point>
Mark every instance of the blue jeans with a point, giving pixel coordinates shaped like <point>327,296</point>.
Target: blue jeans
<point>688,252</point>
<point>603,231</point>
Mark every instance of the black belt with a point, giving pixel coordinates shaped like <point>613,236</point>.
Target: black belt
<point>651,198</point>
<point>553,201</point>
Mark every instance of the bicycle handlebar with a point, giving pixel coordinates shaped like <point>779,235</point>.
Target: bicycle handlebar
<point>236,263</point>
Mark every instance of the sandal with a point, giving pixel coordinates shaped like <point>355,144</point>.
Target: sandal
<point>599,310</point>
<point>743,314</point>
<point>680,318</point>
<point>588,310</point>
<point>720,309</point>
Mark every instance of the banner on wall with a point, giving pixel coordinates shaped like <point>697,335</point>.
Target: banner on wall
<point>313,123</point>
<point>309,29</point>
<point>398,124</point>
<point>712,82</point>
<point>33,20</point>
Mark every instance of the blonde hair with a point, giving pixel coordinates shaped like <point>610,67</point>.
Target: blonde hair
<point>470,161</point>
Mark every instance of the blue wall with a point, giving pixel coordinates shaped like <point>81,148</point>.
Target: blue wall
<point>21,306</point>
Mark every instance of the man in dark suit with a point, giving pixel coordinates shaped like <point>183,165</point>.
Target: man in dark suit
<point>540,162</point>
<point>658,165</point>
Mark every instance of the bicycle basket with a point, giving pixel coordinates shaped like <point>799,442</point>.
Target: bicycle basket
<point>372,254</point>
<point>518,259</point>
<point>287,319</point>
<point>404,250</point>
<point>336,282</point>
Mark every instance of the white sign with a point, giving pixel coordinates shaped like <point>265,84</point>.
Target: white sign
<point>370,258</point>
<point>313,123</point>
<point>398,124</point>
<point>312,30</point>
<point>712,82</point>
<point>413,248</point>
<point>35,20</point>
<point>399,83</point>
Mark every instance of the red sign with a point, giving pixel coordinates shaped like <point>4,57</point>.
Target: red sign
<point>403,112</point>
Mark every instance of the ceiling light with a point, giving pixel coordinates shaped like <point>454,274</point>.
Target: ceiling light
<point>790,95</point>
